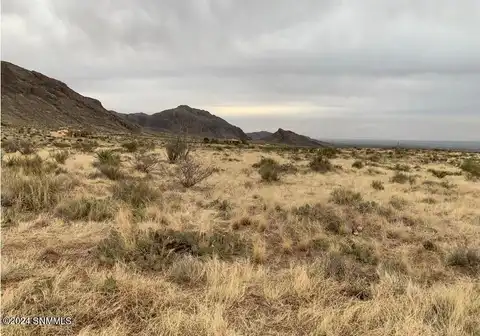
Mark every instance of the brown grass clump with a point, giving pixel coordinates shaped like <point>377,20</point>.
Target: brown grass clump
<point>318,254</point>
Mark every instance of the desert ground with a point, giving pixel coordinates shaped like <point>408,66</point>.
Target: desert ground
<point>237,239</point>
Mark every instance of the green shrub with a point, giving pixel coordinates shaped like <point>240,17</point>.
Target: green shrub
<point>320,164</point>
<point>402,167</point>
<point>377,185</point>
<point>328,152</point>
<point>107,158</point>
<point>60,156</point>
<point>358,164</point>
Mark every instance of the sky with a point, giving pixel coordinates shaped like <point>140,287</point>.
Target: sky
<point>376,69</point>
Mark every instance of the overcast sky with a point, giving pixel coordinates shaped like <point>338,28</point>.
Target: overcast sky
<point>329,69</point>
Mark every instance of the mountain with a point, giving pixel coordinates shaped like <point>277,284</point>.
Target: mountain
<point>184,118</point>
<point>259,135</point>
<point>286,137</point>
<point>30,98</point>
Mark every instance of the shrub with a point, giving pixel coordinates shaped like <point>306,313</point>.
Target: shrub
<point>60,156</point>
<point>35,193</point>
<point>145,162</point>
<point>402,167</point>
<point>10,146</point>
<point>60,144</point>
<point>111,172</point>
<point>265,162</point>
<point>87,146</point>
<point>342,196</point>
<point>328,152</point>
<point>90,209</point>
<point>325,215</point>
<point>361,251</point>
<point>269,173</point>
<point>177,149</point>
<point>206,140</point>
<point>191,172</point>
<point>155,249</point>
<point>320,164</point>
<point>442,173</point>
<point>467,259</point>
<point>130,146</point>
<point>358,164</point>
<point>377,185</point>
<point>137,193</point>
<point>402,178</point>
<point>107,157</point>
<point>398,202</point>
<point>472,167</point>
<point>31,165</point>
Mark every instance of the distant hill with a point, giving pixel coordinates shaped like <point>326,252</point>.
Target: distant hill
<point>186,119</point>
<point>30,98</point>
<point>286,137</point>
<point>259,135</point>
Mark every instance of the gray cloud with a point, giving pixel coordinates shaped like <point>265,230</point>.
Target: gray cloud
<point>367,69</point>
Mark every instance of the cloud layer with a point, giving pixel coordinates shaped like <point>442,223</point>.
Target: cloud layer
<point>403,69</point>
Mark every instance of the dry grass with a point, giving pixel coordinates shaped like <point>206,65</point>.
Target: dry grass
<point>372,251</point>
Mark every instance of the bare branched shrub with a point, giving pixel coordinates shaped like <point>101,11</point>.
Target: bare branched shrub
<point>145,162</point>
<point>10,146</point>
<point>26,147</point>
<point>191,172</point>
<point>177,149</point>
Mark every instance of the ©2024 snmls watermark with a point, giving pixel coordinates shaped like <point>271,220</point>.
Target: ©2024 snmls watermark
<point>36,320</point>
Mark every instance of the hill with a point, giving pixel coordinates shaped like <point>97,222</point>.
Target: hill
<point>184,118</point>
<point>290,138</point>
<point>30,98</point>
<point>259,135</point>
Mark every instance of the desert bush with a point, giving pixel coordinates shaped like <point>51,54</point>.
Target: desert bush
<point>86,146</point>
<point>471,167</point>
<point>358,164</point>
<point>130,146</point>
<point>442,173</point>
<point>265,162</point>
<point>467,259</point>
<point>107,158</point>
<point>402,167</point>
<point>191,172</point>
<point>35,193</point>
<point>269,173</point>
<point>26,147</point>
<point>288,168</point>
<point>113,173</point>
<point>402,178</point>
<point>145,162</point>
<point>323,214</point>
<point>342,196</point>
<point>362,252</point>
<point>320,164</point>
<point>157,249</point>
<point>177,149</point>
<point>60,156</point>
<point>30,165</point>
<point>91,209</point>
<point>398,202</point>
<point>328,152</point>
<point>377,185</point>
<point>10,146</point>
<point>61,144</point>
<point>137,193</point>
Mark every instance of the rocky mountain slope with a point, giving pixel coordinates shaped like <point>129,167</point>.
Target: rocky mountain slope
<point>286,137</point>
<point>185,119</point>
<point>30,98</point>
